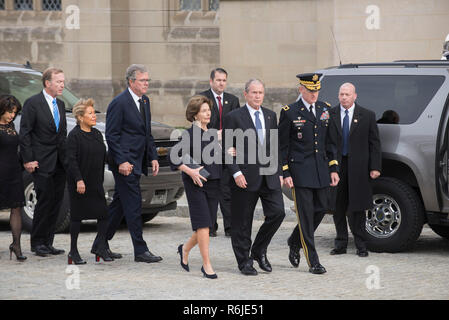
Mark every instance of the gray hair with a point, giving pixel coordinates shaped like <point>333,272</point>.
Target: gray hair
<point>131,71</point>
<point>251,81</point>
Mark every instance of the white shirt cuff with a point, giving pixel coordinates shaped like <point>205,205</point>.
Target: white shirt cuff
<point>238,173</point>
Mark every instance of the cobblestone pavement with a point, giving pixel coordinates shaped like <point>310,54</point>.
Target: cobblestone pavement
<point>419,274</point>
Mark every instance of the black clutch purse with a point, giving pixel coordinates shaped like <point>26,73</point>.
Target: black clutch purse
<point>189,162</point>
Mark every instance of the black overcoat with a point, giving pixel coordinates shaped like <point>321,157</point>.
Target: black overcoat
<point>364,154</point>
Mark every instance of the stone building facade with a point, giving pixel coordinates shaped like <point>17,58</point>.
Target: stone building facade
<point>180,41</point>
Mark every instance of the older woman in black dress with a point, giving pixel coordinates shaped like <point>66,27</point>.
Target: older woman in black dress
<point>86,155</point>
<point>202,194</point>
<point>11,184</point>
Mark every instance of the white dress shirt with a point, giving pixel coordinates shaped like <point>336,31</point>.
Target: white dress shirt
<point>49,100</point>
<point>350,114</point>
<point>307,105</point>
<point>216,100</point>
<point>252,113</point>
<point>135,98</point>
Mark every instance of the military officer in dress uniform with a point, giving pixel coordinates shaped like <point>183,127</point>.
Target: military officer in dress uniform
<point>309,165</point>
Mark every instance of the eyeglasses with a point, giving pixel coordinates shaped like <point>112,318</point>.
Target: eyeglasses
<point>143,80</point>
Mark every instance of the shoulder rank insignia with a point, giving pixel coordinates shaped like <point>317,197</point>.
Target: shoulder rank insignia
<point>285,108</point>
<point>328,104</point>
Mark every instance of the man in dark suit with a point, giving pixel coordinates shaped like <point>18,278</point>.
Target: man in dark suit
<point>254,177</point>
<point>355,131</point>
<point>309,166</point>
<point>43,131</point>
<point>131,149</point>
<point>223,104</point>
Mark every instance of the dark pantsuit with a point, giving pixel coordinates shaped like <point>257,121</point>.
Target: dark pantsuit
<point>127,202</point>
<point>50,193</point>
<point>311,206</point>
<point>225,200</point>
<point>242,206</point>
<point>355,219</point>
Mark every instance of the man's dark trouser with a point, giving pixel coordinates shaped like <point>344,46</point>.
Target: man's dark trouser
<point>225,200</point>
<point>127,202</point>
<point>311,205</point>
<point>50,193</point>
<point>356,219</point>
<point>242,207</point>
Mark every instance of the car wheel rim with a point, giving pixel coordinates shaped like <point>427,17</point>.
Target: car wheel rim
<point>30,200</point>
<point>384,219</point>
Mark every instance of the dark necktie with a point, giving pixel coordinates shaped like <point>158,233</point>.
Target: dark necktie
<point>345,134</point>
<point>220,110</point>
<point>311,110</point>
<point>259,127</point>
<point>142,110</point>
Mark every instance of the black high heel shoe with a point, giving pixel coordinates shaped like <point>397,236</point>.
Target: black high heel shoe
<point>74,258</point>
<point>17,252</point>
<point>185,266</point>
<point>103,254</point>
<point>208,276</point>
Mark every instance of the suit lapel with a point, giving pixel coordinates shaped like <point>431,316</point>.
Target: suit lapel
<point>134,109</point>
<point>47,112</point>
<point>356,117</point>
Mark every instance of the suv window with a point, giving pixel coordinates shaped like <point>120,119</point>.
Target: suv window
<point>404,97</point>
<point>23,85</point>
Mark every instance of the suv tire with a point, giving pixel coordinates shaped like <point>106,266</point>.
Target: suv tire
<point>397,219</point>
<point>63,222</point>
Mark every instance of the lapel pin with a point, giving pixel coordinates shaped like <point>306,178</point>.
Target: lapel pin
<point>355,120</point>
<point>226,102</point>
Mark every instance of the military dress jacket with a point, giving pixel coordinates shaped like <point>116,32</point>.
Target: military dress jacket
<point>308,153</point>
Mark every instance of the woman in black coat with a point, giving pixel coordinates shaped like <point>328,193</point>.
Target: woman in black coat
<point>201,178</point>
<point>86,155</point>
<point>11,184</point>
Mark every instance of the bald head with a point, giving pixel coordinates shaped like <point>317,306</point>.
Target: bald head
<point>347,95</point>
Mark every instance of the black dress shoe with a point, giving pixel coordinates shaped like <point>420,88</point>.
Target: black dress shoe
<point>40,250</point>
<point>263,262</point>
<point>317,269</point>
<point>337,251</point>
<point>362,253</point>
<point>212,234</point>
<point>147,257</point>
<point>249,270</point>
<point>294,257</point>
<point>55,251</point>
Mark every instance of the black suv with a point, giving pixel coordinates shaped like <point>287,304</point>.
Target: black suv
<point>158,193</point>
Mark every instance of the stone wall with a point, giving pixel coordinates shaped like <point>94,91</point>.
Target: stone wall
<point>269,39</point>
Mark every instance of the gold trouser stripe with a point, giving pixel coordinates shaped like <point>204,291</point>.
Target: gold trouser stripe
<point>304,247</point>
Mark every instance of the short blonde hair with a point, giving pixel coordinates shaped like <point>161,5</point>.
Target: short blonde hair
<point>79,109</point>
